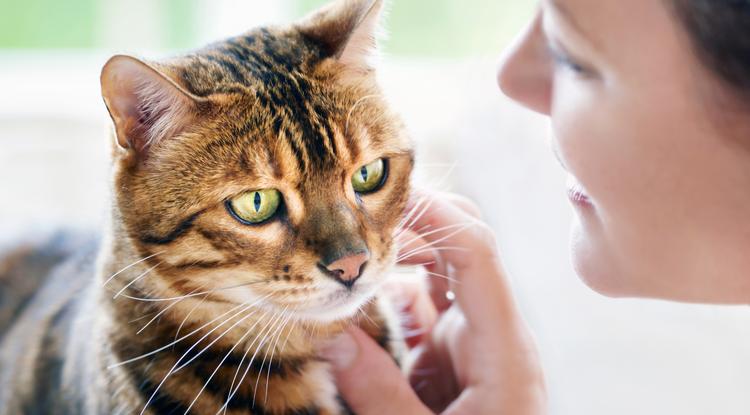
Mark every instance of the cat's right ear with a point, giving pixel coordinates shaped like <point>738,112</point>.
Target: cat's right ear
<point>146,106</point>
<point>347,30</point>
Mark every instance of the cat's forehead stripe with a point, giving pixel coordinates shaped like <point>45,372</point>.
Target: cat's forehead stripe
<point>273,65</point>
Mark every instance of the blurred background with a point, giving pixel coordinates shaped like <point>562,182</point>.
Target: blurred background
<point>602,356</point>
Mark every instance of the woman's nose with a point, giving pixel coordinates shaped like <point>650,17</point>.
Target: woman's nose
<point>525,72</point>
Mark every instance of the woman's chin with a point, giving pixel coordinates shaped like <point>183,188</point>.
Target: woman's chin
<point>592,265</point>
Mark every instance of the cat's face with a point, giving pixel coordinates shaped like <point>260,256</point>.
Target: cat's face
<point>264,168</point>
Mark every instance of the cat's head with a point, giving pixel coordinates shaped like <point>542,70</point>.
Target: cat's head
<point>264,167</point>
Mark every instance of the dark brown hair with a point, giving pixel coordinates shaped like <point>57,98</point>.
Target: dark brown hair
<point>720,33</point>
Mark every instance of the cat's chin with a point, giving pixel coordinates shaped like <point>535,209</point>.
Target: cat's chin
<point>339,305</point>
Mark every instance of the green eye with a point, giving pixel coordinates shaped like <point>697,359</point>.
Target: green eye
<point>369,178</point>
<point>254,207</point>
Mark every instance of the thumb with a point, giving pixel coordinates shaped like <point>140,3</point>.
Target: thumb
<point>368,378</point>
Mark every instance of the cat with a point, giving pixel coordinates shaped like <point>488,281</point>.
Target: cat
<point>258,187</point>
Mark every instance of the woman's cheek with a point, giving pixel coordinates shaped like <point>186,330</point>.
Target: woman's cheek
<point>631,161</point>
<point>581,127</point>
<point>597,138</point>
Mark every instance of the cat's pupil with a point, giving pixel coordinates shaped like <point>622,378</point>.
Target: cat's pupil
<point>363,172</point>
<point>257,201</point>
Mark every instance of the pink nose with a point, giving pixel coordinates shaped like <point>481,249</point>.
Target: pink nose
<point>347,269</point>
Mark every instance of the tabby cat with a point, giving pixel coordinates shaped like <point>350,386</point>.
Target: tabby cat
<point>259,184</point>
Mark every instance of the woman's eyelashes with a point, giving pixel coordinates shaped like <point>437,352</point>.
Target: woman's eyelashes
<point>565,61</point>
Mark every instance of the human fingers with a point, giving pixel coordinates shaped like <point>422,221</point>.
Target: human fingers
<point>468,247</point>
<point>368,378</point>
<point>418,312</point>
<point>413,250</point>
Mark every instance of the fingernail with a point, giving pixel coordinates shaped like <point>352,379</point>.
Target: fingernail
<point>340,351</point>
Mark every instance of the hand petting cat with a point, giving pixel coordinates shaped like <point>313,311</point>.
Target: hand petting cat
<point>475,355</point>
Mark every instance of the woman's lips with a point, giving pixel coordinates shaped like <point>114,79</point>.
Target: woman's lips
<point>576,194</point>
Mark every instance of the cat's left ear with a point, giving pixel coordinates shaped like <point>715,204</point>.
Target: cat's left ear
<point>347,30</point>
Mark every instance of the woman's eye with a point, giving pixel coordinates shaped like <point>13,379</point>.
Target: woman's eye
<point>569,64</point>
<point>563,60</point>
<point>371,177</point>
<point>252,208</point>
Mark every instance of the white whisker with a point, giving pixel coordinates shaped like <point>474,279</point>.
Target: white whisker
<point>129,266</point>
<point>153,352</point>
<point>273,351</point>
<point>156,300</point>
<point>172,370</point>
<point>265,355</point>
<point>351,110</point>
<point>406,222</point>
<point>184,320</point>
<point>249,365</point>
<point>434,231</point>
<point>436,249</point>
<point>235,324</point>
<point>143,275</point>
<point>159,314</point>
<point>435,274</point>
<point>247,332</point>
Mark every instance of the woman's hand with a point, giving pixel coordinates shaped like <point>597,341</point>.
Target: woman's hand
<point>476,355</point>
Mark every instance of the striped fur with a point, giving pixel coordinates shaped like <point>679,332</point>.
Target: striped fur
<point>185,309</point>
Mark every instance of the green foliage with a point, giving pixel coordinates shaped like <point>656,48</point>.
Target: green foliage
<point>181,19</point>
<point>432,28</point>
<point>47,24</point>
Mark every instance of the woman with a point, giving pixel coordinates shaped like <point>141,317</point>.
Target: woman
<point>650,107</point>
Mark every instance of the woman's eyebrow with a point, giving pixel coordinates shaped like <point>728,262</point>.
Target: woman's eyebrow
<point>568,16</point>
<point>565,12</point>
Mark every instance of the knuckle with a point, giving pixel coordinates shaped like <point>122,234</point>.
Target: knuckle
<point>485,234</point>
<point>466,204</point>
<point>471,206</point>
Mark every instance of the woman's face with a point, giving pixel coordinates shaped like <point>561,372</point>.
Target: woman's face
<point>658,155</point>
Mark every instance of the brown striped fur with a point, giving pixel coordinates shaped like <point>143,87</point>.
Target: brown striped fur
<point>293,108</point>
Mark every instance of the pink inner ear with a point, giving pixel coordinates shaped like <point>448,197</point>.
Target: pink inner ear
<point>163,110</point>
<point>361,47</point>
<point>347,29</point>
<point>131,120</point>
<point>145,106</point>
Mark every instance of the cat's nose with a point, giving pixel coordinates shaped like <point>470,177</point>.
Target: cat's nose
<point>348,269</point>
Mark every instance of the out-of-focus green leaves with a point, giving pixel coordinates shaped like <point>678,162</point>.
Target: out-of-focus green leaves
<point>431,28</point>
<point>77,24</point>
<point>47,24</point>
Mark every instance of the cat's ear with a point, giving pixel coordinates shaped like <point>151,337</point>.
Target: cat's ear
<point>145,105</point>
<point>347,30</point>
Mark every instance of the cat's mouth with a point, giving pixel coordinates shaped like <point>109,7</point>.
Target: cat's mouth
<point>343,296</point>
<point>341,303</point>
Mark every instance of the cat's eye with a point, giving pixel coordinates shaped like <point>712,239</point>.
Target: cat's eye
<point>252,208</point>
<point>371,177</point>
